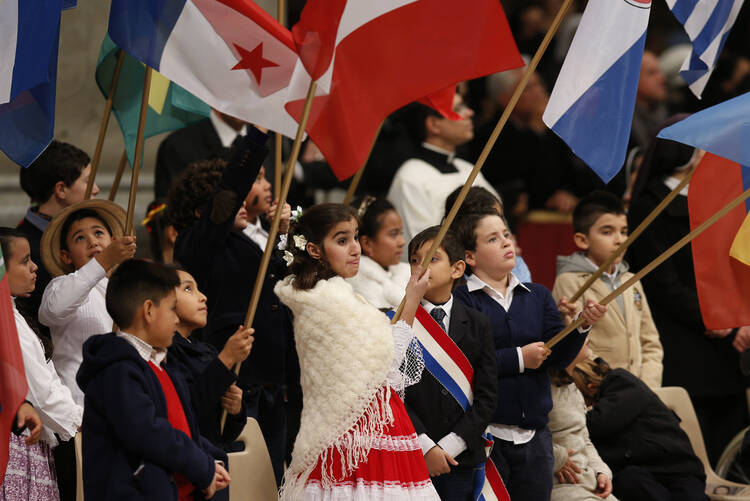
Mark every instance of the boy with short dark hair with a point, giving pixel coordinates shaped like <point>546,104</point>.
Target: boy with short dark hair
<point>450,433</point>
<point>626,337</point>
<point>140,437</point>
<point>523,318</point>
<point>55,180</point>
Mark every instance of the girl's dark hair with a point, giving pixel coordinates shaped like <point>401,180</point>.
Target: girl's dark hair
<point>6,236</point>
<point>156,223</point>
<point>559,376</point>
<point>370,211</point>
<point>315,223</point>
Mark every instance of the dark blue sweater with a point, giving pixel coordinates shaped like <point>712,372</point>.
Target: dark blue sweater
<point>524,398</point>
<point>130,450</point>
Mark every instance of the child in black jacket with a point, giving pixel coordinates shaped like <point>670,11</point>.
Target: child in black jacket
<point>638,437</point>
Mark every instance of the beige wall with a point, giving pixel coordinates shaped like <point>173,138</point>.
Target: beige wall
<point>79,110</point>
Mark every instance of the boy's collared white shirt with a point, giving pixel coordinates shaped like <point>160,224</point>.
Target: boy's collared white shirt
<point>226,133</point>
<point>74,308</point>
<point>446,307</point>
<point>451,443</point>
<point>146,351</point>
<point>256,233</point>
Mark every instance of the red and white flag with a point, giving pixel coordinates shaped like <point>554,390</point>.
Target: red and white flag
<point>372,57</point>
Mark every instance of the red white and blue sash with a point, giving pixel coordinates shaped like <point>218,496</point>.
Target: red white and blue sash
<point>448,364</point>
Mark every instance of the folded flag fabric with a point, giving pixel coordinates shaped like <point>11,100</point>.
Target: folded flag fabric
<point>29,38</point>
<point>229,53</point>
<point>170,106</point>
<point>371,58</point>
<point>707,23</point>
<point>591,106</point>
<point>722,129</point>
<point>721,254</point>
<point>13,387</point>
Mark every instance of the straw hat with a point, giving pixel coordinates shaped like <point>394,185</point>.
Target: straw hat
<point>110,212</point>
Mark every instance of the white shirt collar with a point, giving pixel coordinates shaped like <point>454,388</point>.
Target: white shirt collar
<point>226,134</point>
<point>475,283</point>
<point>447,306</point>
<point>256,233</point>
<point>436,149</point>
<point>611,276</point>
<point>672,182</point>
<point>145,350</point>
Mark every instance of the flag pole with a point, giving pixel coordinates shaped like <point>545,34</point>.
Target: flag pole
<point>105,123</point>
<point>358,175</point>
<point>274,230</point>
<point>118,176</point>
<point>490,143</point>
<point>138,151</point>
<point>278,164</point>
<point>624,246</point>
<point>656,262</point>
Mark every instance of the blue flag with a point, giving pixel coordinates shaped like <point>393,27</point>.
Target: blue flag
<point>722,129</point>
<point>29,38</point>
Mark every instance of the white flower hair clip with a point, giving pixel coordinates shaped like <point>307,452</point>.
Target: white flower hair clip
<point>296,214</point>
<point>289,258</point>
<point>282,242</point>
<point>300,242</point>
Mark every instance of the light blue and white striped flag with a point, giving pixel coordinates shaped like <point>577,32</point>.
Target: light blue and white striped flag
<point>707,23</point>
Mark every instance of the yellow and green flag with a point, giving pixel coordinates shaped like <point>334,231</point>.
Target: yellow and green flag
<point>170,106</point>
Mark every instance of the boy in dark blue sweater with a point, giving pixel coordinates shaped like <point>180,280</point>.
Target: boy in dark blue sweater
<point>523,317</point>
<point>140,439</point>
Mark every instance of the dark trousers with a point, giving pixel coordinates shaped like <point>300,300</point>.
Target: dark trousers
<point>265,403</point>
<point>65,467</point>
<point>458,485</point>
<point>526,469</point>
<point>634,483</point>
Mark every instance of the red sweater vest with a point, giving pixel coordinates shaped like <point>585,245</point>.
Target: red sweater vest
<point>178,420</point>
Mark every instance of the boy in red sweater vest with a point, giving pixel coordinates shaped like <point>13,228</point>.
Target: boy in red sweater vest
<point>140,437</point>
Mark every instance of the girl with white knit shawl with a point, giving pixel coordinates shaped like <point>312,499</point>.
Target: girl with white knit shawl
<point>355,441</point>
<point>382,277</point>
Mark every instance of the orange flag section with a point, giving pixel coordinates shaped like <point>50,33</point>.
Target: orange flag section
<point>721,254</point>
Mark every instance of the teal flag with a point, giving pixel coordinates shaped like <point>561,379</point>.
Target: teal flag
<point>170,106</point>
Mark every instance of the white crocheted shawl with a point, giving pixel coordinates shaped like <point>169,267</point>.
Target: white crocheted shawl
<point>346,350</point>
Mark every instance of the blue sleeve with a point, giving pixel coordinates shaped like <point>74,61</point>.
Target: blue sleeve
<point>119,393</point>
<point>564,352</point>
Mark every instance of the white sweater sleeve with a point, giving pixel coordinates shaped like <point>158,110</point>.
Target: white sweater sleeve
<point>65,294</point>
<point>50,398</point>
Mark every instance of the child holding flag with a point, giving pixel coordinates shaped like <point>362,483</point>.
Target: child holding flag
<point>355,439</point>
<point>450,409</point>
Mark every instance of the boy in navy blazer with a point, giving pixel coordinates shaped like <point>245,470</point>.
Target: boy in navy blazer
<point>451,437</point>
<point>523,318</point>
<point>140,438</point>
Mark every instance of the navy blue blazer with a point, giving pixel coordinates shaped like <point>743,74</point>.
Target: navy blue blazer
<point>130,449</point>
<point>208,380</point>
<point>435,412</point>
<point>524,398</point>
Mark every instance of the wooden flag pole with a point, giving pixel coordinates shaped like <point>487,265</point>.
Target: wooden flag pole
<point>278,165</point>
<point>138,151</point>
<point>105,123</point>
<point>490,143</point>
<point>118,176</point>
<point>624,246</point>
<point>656,262</point>
<point>358,175</point>
<point>274,230</point>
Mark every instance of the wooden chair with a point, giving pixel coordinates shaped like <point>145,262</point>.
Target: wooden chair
<point>677,399</point>
<point>78,441</point>
<point>251,470</point>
